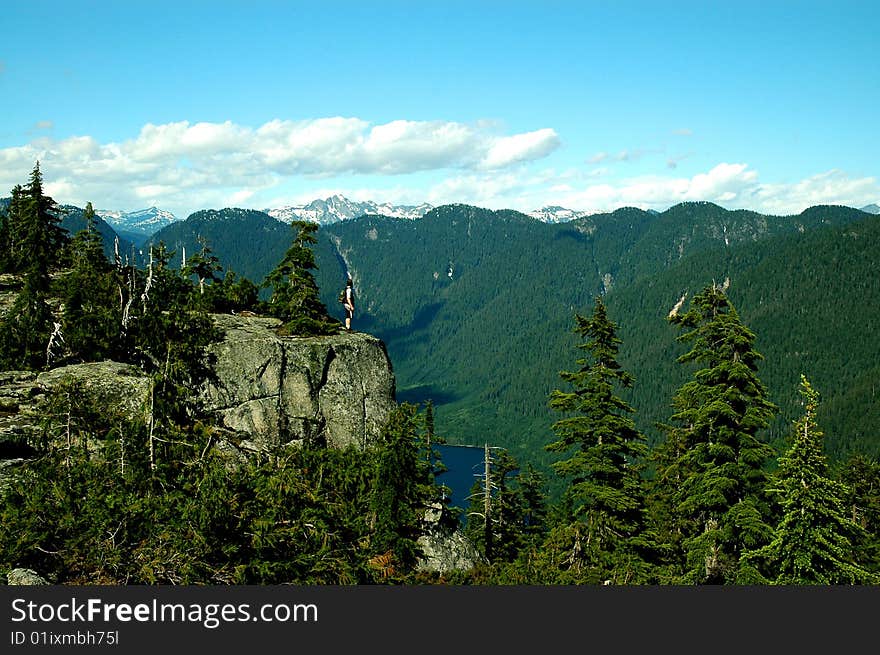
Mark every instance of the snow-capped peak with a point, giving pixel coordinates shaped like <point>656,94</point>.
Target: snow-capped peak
<point>339,208</point>
<point>557,214</point>
<point>146,221</point>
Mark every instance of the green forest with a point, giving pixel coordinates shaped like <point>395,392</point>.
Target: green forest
<point>683,398</point>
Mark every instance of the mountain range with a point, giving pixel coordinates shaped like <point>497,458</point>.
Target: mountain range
<point>476,307</point>
<point>339,208</point>
<point>142,222</point>
<point>336,208</point>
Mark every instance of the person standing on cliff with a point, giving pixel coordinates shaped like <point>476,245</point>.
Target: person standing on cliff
<point>348,303</point>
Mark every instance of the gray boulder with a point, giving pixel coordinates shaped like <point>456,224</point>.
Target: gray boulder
<point>444,550</point>
<point>123,389</point>
<point>274,390</point>
<point>25,577</point>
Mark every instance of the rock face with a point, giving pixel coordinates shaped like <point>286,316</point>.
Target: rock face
<point>332,390</point>
<point>27,577</point>
<point>268,390</point>
<point>120,388</point>
<point>445,551</point>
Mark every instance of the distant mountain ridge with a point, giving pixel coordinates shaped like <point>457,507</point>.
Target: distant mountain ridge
<point>556,214</point>
<point>339,208</point>
<point>326,211</point>
<point>143,222</point>
<point>335,209</point>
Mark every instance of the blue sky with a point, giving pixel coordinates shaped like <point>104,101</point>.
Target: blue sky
<point>768,105</point>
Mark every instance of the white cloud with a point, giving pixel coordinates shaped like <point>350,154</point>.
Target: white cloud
<point>176,163</point>
<point>832,187</point>
<point>186,166</point>
<point>520,147</point>
<point>734,186</point>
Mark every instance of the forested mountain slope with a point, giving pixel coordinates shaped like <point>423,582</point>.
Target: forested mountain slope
<point>246,241</point>
<point>476,307</point>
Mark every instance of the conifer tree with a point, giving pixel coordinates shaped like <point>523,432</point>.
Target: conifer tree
<point>232,294</point>
<point>37,243</point>
<point>861,475</point>
<point>9,221</point>
<point>712,473</point>
<point>204,265</point>
<point>169,337</point>
<point>295,297</point>
<point>496,523</point>
<point>814,541</point>
<point>398,497</point>
<point>605,449</point>
<point>42,237</point>
<point>91,320</point>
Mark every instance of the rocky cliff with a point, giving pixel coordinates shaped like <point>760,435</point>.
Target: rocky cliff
<point>332,390</point>
<point>267,390</point>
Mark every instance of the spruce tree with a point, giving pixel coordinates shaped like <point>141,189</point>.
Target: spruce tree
<point>295,297</point>
<point>91,320</point>
<point>861,475</point>
<point>204,265</point>
<point>605,492</point>
<point>497,516</point>
<point>13,257</point>
<point>169,336</point>
<point>42,237</point>
<point>232,294</point>
<point>712,472</point>
<point>814,542</point>
<point>37,240</point>
<point>398,497</point>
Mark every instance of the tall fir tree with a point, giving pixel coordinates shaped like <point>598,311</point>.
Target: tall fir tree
<point>36,251</point>
<point>91,319</point>
<point>861,475</point>
<point>204,265</point>
<point>169,336</point>
<point>712,470</point>
<point>398,499</point>
<point>498,513</point>
<point>814,542</point>
<point>8,221</point>
<point>605,493</point>
<point>295,298</point>
<point>42,236</point>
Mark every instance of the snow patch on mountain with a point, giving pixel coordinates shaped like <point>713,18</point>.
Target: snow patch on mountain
<point>339,208</point>
<point>556,214</point>
<point>322,211</point>
<point>145,221</point>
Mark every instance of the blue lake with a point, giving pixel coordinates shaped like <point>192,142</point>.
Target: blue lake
<point>464,464</point>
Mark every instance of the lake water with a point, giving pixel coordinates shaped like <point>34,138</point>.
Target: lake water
<point>464,464</point>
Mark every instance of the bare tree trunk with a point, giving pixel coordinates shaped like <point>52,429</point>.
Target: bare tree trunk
<point>152,425</point>
<point>121,451</point>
